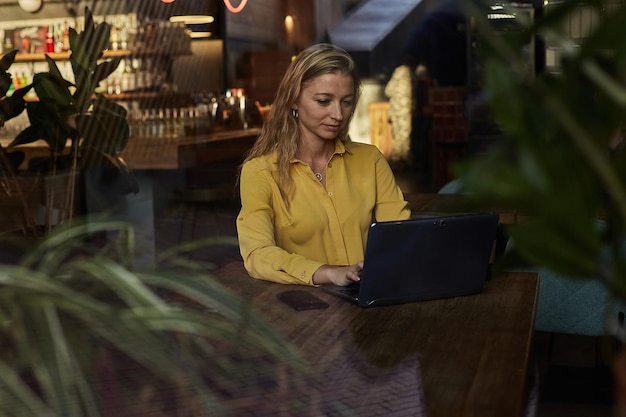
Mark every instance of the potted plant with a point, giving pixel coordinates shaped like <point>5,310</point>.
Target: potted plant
<point>561,161</point>
<point>82,128</point>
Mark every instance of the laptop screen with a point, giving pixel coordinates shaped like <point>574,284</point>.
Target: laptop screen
<point>427,258</point>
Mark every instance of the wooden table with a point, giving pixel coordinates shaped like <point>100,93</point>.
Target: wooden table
<point>465,356</point>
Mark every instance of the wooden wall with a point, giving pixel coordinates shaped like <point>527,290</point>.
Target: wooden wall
<point>264,22</point>
<point>259,22</point>
<point>259,45</point>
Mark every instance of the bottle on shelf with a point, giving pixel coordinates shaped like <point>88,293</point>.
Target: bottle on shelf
<point>66,37</point>
<point>138,123</point>
<point>128,76</point>
<point>131,27</point>
<point>17,82</point>
<point>178,125</point>
<point>114,37</point>
<point>171,123</point>
<point>58,37</point>
<point>123,38</point>
<point>50,38</point>
<point>8,43</point>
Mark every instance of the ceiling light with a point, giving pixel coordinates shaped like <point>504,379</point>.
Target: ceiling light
<point>192,19</point>
<point>289,23</point>
<point>30,6</point>
<point>200,35</point>
<point>498,16</point>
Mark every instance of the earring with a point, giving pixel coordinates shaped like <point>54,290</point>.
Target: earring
<point>294,113</point>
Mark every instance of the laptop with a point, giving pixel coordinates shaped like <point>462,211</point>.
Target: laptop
<point>424,258</point>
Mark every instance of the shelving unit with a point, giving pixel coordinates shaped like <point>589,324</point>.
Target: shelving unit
<point>162,59</point>
<point>147,53</point>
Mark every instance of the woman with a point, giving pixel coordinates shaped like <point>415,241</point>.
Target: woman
<point>309,194</point>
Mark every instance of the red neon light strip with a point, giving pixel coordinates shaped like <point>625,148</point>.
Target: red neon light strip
<point>235,9</point>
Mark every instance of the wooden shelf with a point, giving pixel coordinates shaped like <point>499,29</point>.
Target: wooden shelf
<point>117,97</point>
<point>61,56</point>
<point>131,95</point>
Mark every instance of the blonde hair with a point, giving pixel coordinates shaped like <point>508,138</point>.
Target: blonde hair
<point>280,132</point>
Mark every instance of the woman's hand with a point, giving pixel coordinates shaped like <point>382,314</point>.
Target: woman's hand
<point>338,275</point>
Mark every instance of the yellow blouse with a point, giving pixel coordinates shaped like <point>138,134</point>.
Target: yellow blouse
<point>322,225</point>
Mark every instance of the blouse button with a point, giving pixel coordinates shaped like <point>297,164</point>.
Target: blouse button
<point>330,194</point>
<point>330,165</point>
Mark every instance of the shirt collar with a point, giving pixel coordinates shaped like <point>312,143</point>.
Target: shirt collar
<point>340,149</point>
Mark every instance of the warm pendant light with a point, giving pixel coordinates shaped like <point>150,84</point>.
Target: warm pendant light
<point>31,6</point>
<point>237,9</point>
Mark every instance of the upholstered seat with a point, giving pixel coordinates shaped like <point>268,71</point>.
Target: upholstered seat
<point>452,187</point>
<point>572,305</point>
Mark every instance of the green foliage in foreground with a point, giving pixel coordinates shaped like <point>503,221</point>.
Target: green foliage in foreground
<point>72,305</point>
<point>562,165</point>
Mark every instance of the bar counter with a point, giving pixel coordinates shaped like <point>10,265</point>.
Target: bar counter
<point>162,153</point>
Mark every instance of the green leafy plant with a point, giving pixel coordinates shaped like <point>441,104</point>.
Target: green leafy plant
<point>82,128</point>
<point>95,126</point>
<point>76,323</point>
<point>561,164</point>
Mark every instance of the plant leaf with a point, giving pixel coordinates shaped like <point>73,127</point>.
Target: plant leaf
<point>106,68</point>
<point>7,60</point>
<point>28,135</point>
<point>50,87</point>
<point>5,77</point>
<point>17,398</point>
<point>11,107</point>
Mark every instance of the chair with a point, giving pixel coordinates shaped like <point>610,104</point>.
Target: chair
<point>574,309</point>
<point>578,306</point>
<point>571,305</point>
<point>453,187</point>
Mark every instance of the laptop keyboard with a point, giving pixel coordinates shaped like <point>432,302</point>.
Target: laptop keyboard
<point>351,290</point>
